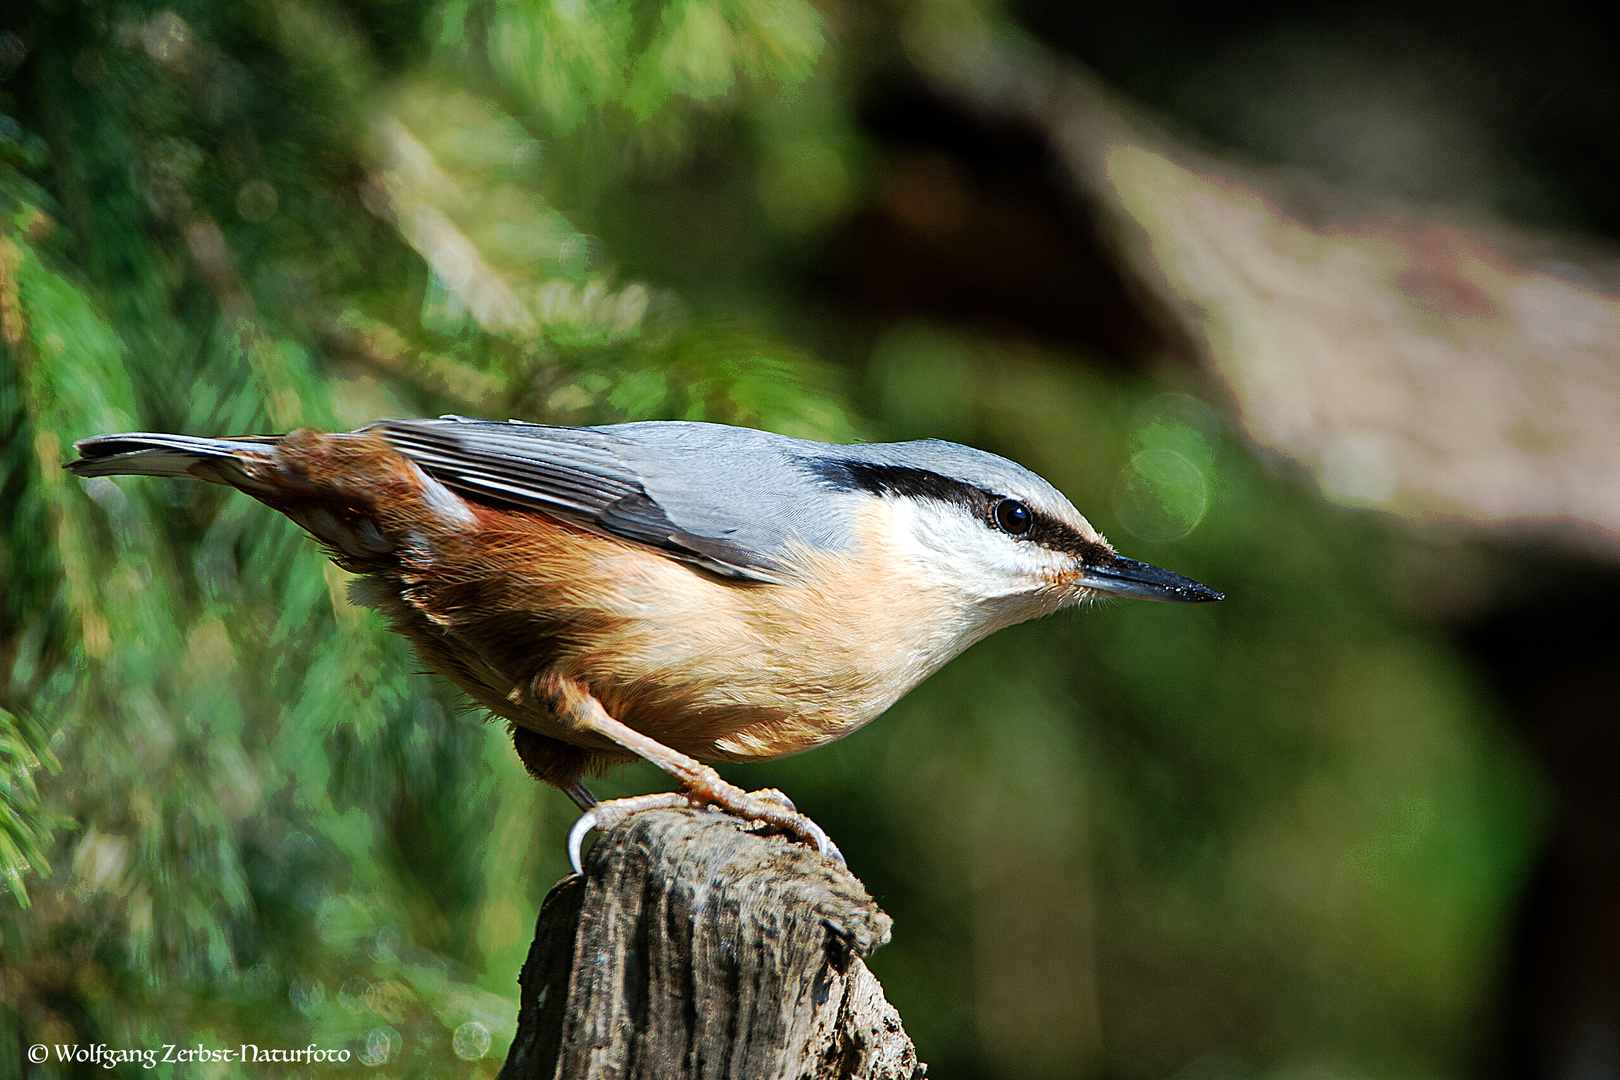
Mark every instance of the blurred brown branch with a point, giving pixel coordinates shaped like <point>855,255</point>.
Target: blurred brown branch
<point>1443,367</point>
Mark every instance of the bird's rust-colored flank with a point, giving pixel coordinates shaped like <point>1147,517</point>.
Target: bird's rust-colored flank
<point>516,608</point>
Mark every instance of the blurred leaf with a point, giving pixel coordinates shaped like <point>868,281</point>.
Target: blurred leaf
<point>25,822</point>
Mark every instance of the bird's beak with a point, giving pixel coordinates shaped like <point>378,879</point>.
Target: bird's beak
<point>1127,577</point>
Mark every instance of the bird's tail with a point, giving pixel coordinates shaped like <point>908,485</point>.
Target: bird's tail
<point>352,490</point>
<point>140,453</point>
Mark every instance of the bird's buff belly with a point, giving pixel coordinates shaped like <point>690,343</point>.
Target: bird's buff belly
<point>721,671</point>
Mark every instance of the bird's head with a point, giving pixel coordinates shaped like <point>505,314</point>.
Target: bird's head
<point>995,533</point>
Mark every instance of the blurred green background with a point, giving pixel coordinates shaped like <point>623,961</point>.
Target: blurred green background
<point>1287,835</point>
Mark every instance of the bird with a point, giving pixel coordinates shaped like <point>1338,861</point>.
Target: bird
<point>683,592</point>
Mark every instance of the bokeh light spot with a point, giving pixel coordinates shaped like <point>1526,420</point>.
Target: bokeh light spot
<point>381,1044</point>
<point>471,1041</point>
<point>1160,495</point>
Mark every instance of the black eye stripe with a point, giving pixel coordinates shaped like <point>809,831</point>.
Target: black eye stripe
<point>904,481</point>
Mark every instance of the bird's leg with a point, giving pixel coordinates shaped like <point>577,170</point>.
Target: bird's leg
<point>701,785</point>
<point>580,795</point>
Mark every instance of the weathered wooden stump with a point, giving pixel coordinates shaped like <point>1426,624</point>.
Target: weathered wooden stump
<point>692,947</point>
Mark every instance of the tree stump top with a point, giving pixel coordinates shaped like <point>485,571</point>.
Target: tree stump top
<point>695,947</point>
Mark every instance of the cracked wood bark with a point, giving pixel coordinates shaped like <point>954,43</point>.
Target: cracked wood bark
<point>693,947</point>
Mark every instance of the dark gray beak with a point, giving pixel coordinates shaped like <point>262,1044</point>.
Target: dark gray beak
<point>1127,577</point>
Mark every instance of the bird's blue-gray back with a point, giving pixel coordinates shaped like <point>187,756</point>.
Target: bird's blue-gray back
<point>730,498</point>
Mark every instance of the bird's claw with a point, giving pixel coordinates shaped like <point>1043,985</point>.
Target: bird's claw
<point>809,830</point>
<point>576,837</point>
<point>772,808</point>
<point>605,815</point>
<point>777,810</point>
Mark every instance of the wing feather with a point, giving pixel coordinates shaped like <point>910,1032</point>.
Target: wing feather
<point>589,476</point>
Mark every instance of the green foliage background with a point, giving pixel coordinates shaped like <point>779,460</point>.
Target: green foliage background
<point>1274,836</point>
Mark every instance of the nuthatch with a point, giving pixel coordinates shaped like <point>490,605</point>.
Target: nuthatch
<point>673,591</point>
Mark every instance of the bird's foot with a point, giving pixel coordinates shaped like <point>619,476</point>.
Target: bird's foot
<point>768,806</point>
<point>605,815</point>
<point>701,785</point>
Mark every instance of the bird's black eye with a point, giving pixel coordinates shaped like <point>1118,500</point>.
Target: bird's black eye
<point>1013,517</point>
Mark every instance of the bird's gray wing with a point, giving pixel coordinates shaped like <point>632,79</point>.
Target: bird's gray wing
<point>727,499</point>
